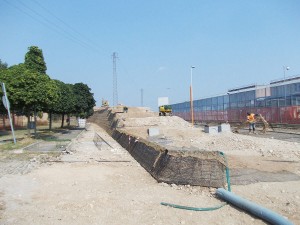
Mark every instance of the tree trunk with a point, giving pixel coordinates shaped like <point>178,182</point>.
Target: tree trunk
<point>50,121</point>
<point>62,120</point>
<point>13,119</point>
<point>68,119</point>
<point>28,125</point>
<point>4,126</point>
<point>35,123</point>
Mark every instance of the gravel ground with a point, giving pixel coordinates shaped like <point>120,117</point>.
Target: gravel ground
<point>105,185</point>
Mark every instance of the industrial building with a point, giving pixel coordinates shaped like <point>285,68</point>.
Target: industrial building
<point>278,102</point>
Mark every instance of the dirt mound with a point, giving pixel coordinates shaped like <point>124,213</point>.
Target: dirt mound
<point>179,134</point>
<point>244,152</point>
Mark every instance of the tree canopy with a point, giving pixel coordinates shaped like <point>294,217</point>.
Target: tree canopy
<point>27,90</point>
<point>3,65</point>
<point>66,98</point>
<point>30,89</point>
<point>34,60</point>
<point>84,100</point>
<point>3,110</point>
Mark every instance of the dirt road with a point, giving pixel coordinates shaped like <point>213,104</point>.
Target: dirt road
<point>107,186</point>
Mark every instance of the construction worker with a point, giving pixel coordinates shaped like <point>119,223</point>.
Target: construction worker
<point>251,120</point>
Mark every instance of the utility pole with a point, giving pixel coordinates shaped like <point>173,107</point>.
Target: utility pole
<point>115,79</point>
<point>142,97</point>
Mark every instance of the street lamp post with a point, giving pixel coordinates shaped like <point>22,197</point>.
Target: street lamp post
<point>191,96</point>
<point>284,69</point>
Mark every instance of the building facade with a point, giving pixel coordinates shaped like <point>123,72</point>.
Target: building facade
<point>278,102</point>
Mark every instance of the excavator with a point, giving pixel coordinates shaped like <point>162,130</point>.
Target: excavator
<point>165,110</point>
<point>258,118</point>
<point>104,103</point>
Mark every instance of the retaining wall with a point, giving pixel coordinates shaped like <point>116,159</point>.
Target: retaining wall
<point>193,168</point>
<point>198,168</point>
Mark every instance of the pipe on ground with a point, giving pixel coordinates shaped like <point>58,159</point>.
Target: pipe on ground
<point>252,208</point>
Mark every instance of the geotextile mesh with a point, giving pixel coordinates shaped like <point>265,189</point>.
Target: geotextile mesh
<point>175,167</point>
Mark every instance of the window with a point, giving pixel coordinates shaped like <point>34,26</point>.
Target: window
<point>249,103</point>
<point>260,103</point>
<point>214,100</point>
<point>208,107</point>
<point>296,100</point>
<point>249,95</point>
<point>226,99</point>
<point>233,98</point>
<point>288,101</point>
<point>208,101</point>
<point>274,103</point>
<point>220,100</point>
<point>241,97</point>
<point>281,102</point>
<point>233,104</point>
<point>202,102</point>
<point>241,104</point>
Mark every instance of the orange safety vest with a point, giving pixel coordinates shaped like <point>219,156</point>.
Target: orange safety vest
<point>251,118</point>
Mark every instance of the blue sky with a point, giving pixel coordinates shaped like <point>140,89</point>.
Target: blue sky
<point>231,43</point>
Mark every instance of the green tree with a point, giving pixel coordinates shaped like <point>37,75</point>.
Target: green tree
<point>84,100</point>
<point>28,91</point>
<point>3,111</point>
<point>3,65</point>
<point>34,60</point>
<point>66,100</point>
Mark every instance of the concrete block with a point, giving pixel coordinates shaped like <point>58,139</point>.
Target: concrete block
<point>211,129</point>
<point>81,123</point>
<point>224,127</point>
<point>153,132</point>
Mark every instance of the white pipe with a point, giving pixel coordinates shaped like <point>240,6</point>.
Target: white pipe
<point>253,208</point>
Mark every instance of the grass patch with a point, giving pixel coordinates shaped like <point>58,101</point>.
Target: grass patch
<point>55,139</point>
<point>20,144</point>
<point>25,156</point>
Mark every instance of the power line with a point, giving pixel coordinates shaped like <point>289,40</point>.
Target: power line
<point>66,24</point>
<point>55,25</point>
<point>46,22</point>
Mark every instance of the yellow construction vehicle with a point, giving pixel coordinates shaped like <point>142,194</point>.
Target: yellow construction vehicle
<point>105,103</point>
<point>165,110</point>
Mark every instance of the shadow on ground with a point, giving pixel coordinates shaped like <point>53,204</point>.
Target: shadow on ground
<point>249,176</point>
